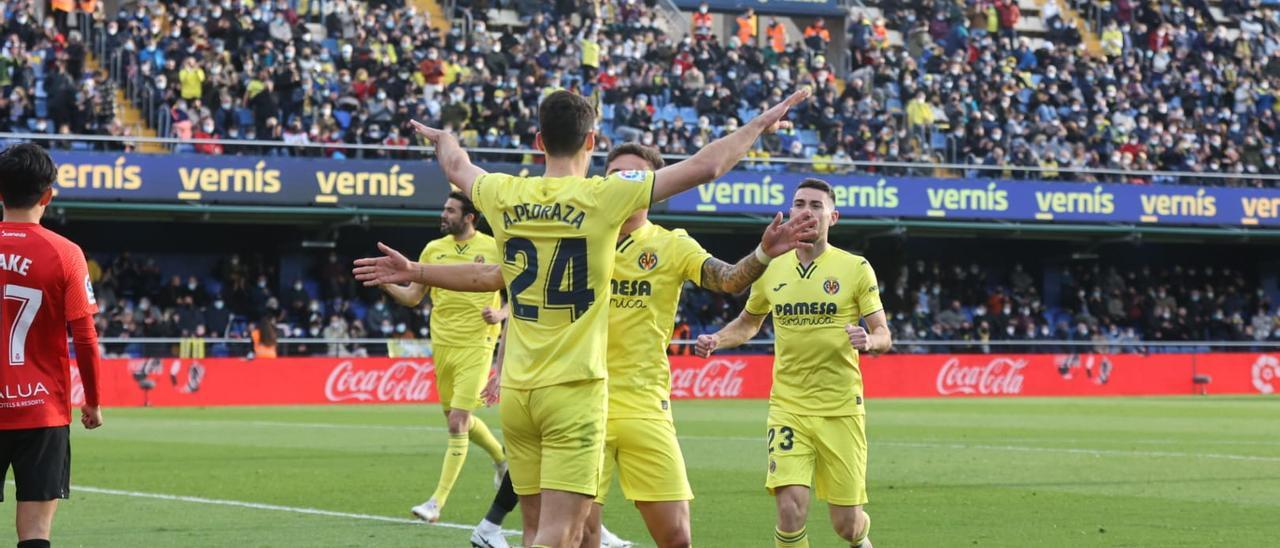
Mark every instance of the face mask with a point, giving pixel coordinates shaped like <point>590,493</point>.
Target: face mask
<point>208,128</point>
<point>382,95</point>
<point>262,284</point>
<point>379,306</point>
<point>315,331</point>
<point>218,305</point>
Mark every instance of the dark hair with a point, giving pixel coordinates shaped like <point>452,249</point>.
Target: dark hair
<point>649,154</point>
<point>267,335</point>
<point>26,173</point>
<point>565,119</point>
<point>468,207</point>
<point>818,184</point>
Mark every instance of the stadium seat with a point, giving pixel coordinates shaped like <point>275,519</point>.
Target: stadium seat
<point>343,117</point>
<point>244,117</point>
<point>331,45</point>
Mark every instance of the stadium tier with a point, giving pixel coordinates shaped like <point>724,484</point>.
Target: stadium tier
<point>956,225</point>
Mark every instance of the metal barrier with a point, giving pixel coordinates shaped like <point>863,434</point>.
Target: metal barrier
<point>943,170</point>
<point>243,347</point>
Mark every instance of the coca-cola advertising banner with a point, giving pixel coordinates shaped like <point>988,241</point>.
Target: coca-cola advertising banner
<point>288,381</point>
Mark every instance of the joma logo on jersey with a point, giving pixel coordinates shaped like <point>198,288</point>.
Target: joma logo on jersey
<point>802,309</point>
<point>831,286</point>
<point>648,260</point>
<point>631,288</point>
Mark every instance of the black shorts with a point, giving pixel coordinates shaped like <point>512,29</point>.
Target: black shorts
<point>41,460</point>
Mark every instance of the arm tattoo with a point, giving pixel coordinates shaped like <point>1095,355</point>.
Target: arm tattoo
<point>718,275</point>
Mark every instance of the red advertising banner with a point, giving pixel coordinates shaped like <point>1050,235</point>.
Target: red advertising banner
<point>289,381</point>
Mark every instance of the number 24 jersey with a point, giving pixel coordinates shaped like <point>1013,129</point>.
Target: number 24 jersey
<point>556,238</point>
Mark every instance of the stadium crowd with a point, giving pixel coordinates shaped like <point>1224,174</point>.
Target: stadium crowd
<point>963,86</point>
<point>980,305</point>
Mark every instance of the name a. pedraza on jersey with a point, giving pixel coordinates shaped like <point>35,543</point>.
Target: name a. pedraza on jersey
<point>564,213</point>
<point>14,263</point>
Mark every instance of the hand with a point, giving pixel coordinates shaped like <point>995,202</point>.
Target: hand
<point>706,345</point>
<point>492,316</point>
<point>391,268</point>
<point>772,119</point>
<point>91,416</point>
<point>858,338</point>
<point>435,136</point>
<point>492,392</point>
<point>798,232</point>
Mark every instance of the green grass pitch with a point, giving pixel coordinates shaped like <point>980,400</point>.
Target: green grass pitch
<point>987,472</point>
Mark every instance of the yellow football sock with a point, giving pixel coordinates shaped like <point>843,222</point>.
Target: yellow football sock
<point>480,435</point>
<point>454,457</point>
<point>797,539</point>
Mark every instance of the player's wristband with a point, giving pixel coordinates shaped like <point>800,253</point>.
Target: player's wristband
<point>762,257</point>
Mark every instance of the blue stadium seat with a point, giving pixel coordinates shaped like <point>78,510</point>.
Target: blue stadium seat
<point>689,114</point>
<point>1024,96</point>
<point>667,113</point>
<point>938,140</point>
<point>312,288</point>
<point>808,137</point>
<point>343,117</point>
<point>42,107</point>
<point>81,146</point>
<point>244,117</point>
<point>606,111</point>
<point>893,105</point>
<point>184,148</point>
<point>332,45</point>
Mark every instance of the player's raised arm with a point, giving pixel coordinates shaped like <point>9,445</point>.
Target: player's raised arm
<point>740,330</point>
<point>453,159</point>
<point>721,155</point>
<point>778,239</point>
<point>394,268</point>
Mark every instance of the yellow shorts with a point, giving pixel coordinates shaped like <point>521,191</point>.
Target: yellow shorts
<point>826,453</point>
<point>555,436</point>
<point>648,460</point>
<point>461,373</point>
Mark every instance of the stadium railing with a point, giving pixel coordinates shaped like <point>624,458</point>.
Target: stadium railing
<point>240,347</point>
<point>1007,172</point>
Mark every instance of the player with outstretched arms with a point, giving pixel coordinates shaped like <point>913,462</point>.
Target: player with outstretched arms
<point>556,234</point>
<point>816,431</point>
<point>46,290</point>
<point>651,264</point>
<point>464,330</point>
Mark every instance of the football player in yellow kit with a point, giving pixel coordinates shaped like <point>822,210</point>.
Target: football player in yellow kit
<point>651,265</point>
<point>816,434</point>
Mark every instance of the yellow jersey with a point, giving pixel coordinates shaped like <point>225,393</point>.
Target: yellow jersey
<point>815,370</point>
<point>650,267</point>
<point>556,238</point>
<point>455,315</point>
<point>590,53</point>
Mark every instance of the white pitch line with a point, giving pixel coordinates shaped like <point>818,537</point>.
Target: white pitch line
<point>272,507</point>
